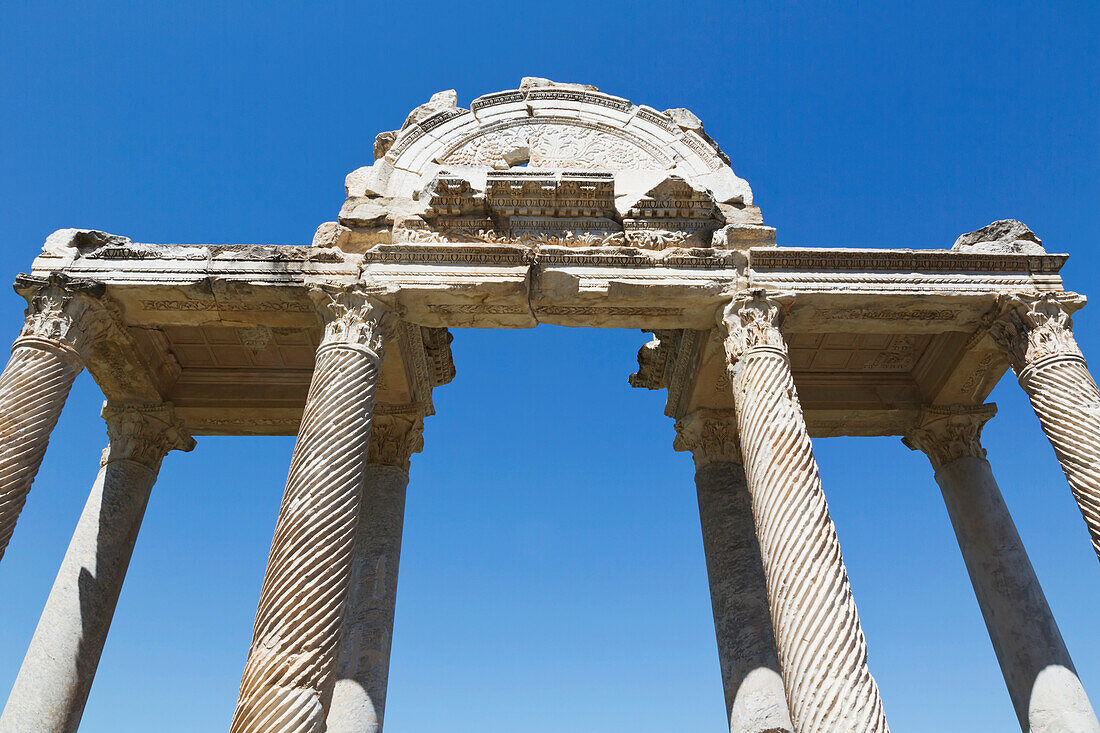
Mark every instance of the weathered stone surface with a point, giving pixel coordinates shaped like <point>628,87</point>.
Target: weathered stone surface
<point>439,102</point>
<point>302,604</point>
<point>362,668</point>
<point>1037,668</point>
<point>1006,235</point>
<point>536,82</point>
<point>817,630</point>
<point>382,143</point>
<point>52,687</point>
<point>331,234</point>
<point>365,212</point>
<point>685,118</point>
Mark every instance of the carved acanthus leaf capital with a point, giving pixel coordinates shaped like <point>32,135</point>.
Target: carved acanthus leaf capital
<point>1031,327</point>
<point>947,433</point>
<point>67,312</point>
<point>752,320</point>
<point>394,438</point>
<point>353,316</point>
<point>143,433</point>
<point>710,435</point>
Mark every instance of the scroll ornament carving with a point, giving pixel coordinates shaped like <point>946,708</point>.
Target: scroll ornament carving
<point>143,433</point>
<point>710,436</point>
<point>752,321</point>
<point>1029,328</point>
<point>351,316</point>
<point>394,438</point>
<point>948,434</point>
<point>65,311</point>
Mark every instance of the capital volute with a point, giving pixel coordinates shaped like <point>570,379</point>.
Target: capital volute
<point>353,316</point>
<point>65,313</point>
<point>752,320</point>
<point>947,433</point>
<point>143,433</point>
<point>394,437</point>
<point>1032,327</point>
<point>710,435</point>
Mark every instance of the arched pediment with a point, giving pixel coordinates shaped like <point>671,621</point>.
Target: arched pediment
<point>530,162</point>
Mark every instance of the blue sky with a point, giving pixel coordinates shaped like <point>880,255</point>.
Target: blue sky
<point>552,573</point>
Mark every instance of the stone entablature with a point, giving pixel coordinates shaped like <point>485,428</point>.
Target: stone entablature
<point>552,203</point>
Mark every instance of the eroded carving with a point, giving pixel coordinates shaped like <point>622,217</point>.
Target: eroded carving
<point>948,433</point>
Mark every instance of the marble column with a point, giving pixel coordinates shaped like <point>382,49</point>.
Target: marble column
<point>821,646</point>
<point>288,679</point>
<point>62,322</point>
<point>751,677</point>
<point>52,686</point>
<point>1035,332</point>
<point>362,667</point>
<point>1041,679</point>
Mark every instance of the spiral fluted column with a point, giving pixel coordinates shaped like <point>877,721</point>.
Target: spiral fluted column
<point>62,321</point>
<point>751,676</point>
<point>1042,682</point>
<point>821,646</point>
<point>362,667</point>
<point>1035,332</point>
<point>287,682</point>
<point>53,684</point>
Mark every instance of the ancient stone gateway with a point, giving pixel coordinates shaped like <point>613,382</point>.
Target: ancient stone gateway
<point>552,203</point>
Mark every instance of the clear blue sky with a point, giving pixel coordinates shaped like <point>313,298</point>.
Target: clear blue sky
<point>552,574</point>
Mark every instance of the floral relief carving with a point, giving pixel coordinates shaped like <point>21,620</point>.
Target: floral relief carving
<point>1032,327</point>
<point>64,310</point>
<point>752,321</point>
<point>556,145</point>
<point>394,438</point>
<point>710,436</point>
<point>351,316</point>
<point>143,433</point>
<point>946,434</point>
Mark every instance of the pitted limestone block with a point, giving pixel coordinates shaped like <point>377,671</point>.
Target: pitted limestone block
<point>1003,236</point>
<point>359,211</point>
<point>439,102</point>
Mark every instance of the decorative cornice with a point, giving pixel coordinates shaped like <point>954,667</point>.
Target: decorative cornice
<point>64,312</point>
<point>752,321</point>
<point>352,317</point>
<point>143,433</point>
<point>437,346</point>
<point>710,436</point>
<point>394,437</point>
<point>947,433</point>
<point>1032,327</point>
<point>884,260</point>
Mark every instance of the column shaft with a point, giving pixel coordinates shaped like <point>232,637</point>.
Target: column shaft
<point>52,687</point>
<point>755,699</point>
<point>1035,332</point>
<point>362,668</point>
<point>1037,668</point>
<point>60,323</point>
<point>287,682</point>
<point>821,645</point>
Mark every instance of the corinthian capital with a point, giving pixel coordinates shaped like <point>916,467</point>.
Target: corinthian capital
<point>1029,328</point>
<point>394,438</point>
<point>353,317</point>
<point>947,433</point>
<point>67,313</point>
<point>143,433</point>
<point>710,435</point>
<point>752,320</point>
